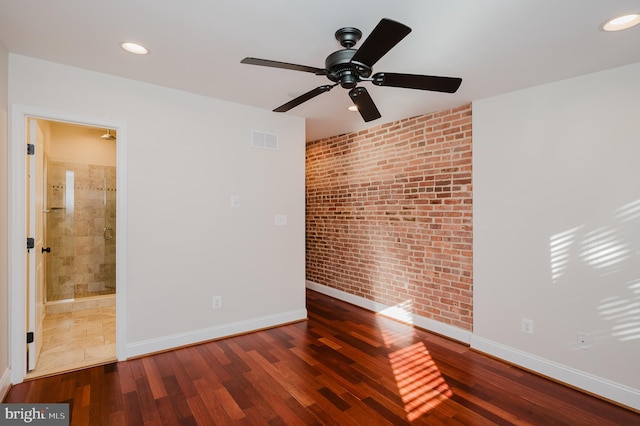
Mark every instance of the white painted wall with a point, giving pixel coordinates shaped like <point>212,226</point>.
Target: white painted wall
<point>186,156</point>
<point>557,229</point>
<point>4,234</point>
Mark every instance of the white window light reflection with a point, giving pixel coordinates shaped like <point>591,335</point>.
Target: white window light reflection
<point>603,247</point>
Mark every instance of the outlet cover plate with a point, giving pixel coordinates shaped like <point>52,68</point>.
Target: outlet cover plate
<point>281,219</point>
<point>217,302</point>
<point>526,325</point>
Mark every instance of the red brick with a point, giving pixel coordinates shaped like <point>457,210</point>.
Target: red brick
<point>389,214</point>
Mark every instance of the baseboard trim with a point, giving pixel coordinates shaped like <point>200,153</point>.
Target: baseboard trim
<point>615,392</point>
<point>5,383</point>
<point>449,331</point>
<point>173,341</point>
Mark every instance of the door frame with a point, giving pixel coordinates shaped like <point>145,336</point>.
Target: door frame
<point>17,228</point>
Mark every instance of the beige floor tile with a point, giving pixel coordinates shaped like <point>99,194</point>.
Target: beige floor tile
<point>100,352</point>
<point>62,338</point>
<point>73,340</point>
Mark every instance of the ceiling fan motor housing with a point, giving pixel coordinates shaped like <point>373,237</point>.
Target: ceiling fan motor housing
<point>341,70</point>
<point>339,67</point>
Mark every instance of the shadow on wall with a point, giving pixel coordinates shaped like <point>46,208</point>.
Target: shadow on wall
<point>606,257</point>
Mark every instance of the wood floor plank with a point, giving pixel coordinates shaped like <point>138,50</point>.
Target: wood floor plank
<point>116,418</point>
<point>294,385</point>
<point>170,365</point>
<point>131,409</point>
<point>97,410</point>
<point>112,394</point>
<point>343,366</point>
<point>192,363</point>
<point>199,410</point>
<point>212,370</point>
<point>125,377</point>
<point>66,390</point>
<point>168,415</point>
<point>482,406</point>
<point>154,377</point>
<point>229,405</point>
<point>276,397</point>
<point>382,411</point>
<point>213,404</point>
<point>330,410</point>
<point>146,401</point>
<point>81,399</point>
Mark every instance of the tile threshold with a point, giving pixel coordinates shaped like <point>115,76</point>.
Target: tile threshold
<point>68,368</point>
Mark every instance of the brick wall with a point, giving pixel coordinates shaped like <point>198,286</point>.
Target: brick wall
<point>389,214</point>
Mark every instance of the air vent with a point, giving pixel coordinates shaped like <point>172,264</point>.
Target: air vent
<point>264,140</point>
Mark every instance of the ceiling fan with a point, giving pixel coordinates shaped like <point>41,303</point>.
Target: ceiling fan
<point>349,66</point>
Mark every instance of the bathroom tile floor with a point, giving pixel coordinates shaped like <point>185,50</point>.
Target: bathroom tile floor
<point>74,340</point>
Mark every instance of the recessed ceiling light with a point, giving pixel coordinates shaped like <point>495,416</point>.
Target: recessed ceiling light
<point>134,48</point>
<point>352,108</point>
<point>622,22</point>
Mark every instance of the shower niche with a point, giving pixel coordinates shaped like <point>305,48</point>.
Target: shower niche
<point>80,217</point>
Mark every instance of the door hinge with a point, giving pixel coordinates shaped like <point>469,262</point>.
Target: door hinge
<point>31,149</point>
<point>30,337</point>
<point>31,243</point>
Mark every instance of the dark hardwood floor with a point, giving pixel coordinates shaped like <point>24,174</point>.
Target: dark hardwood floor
<point>344,366</point>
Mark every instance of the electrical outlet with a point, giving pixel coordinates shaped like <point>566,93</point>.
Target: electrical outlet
<point>584,342</point>
<point>217,302</point>
<point>526,325</point>
<point>281,219</point>
<point>235,201</point>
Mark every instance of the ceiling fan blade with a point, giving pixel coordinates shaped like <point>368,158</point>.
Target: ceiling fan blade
<point>384,36</point>
<point>363,101</point>
<point>414,81</point>
<point>304,98</point>
<point>284,65</point>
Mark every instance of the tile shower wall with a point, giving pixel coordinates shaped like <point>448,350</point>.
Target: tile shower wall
<point>80,230</point>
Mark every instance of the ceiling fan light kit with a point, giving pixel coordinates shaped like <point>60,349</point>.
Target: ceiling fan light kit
<point>349,66</point>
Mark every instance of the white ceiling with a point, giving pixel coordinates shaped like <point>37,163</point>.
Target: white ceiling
<point>495,46</point>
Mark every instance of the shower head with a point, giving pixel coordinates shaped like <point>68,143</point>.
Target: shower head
<point>108,136</point>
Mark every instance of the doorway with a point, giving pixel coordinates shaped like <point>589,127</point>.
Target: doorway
<point>94,293</point>
<point>77,210</point>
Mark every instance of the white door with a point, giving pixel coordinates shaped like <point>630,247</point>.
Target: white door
<point>35,230</point>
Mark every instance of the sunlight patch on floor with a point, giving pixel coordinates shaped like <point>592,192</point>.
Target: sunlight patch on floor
<point>420,383</point>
